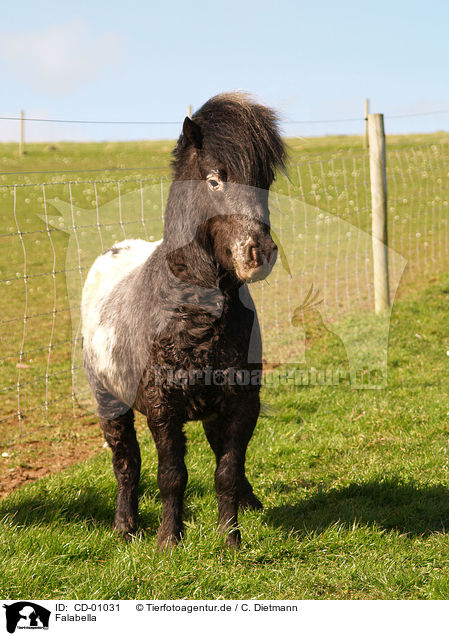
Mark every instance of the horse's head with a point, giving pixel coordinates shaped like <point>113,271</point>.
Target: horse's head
<point>230,150</point>
<point>238,228</point>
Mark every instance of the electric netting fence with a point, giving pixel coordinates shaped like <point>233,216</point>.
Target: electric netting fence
<point>321,218</point>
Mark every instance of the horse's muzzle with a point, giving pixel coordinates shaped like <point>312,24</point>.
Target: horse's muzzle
<point>259,259</point>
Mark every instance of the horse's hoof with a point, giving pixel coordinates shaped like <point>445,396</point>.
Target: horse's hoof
<point>166,541</point>
<point>126,528</point>
<point>250,502</point>
<point>234,539</point>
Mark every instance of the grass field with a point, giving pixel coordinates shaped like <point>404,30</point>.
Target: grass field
<point>355,486</point>
<point>354,482</point>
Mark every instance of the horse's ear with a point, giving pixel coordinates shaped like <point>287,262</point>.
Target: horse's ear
<point>192,133</point>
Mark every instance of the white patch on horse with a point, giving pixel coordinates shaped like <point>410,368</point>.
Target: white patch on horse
<point>105,274</point>
<point>102,345</point>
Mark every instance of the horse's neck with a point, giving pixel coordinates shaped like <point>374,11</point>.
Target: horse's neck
<point>184,212</point>
<point>203,286</point>
<point>187,256</point>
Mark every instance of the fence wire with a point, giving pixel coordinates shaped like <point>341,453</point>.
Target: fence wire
<point>50,234</point>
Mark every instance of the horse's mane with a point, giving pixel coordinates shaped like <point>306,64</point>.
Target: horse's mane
<point>239,133</point>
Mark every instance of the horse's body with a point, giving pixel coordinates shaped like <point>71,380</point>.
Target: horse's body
<point>170,329</point>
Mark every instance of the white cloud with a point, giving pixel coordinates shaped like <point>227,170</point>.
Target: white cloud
<point>61,58</point>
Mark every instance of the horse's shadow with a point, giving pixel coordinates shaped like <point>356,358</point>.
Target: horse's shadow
<point>389,505</point>
<point>407,508</point>
<point>93,506</point>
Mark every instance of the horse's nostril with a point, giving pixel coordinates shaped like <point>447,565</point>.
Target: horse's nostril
<point>253,255</point>
<point>228,252</point>
<point>258,254</point>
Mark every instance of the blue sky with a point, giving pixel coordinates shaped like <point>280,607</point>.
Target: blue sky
<point>148,60</point>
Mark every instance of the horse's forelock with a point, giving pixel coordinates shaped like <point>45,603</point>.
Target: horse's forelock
<point>239,133</point>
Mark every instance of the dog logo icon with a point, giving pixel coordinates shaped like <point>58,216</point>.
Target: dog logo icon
<point>26,615</point>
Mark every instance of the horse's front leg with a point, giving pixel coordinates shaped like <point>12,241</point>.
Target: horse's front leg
<point>121,437</point>
<point>171,477</point>
<point>231,433</point>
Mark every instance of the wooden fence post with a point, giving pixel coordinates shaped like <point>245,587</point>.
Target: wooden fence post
<point>377,165</point>
<point>22,134</point>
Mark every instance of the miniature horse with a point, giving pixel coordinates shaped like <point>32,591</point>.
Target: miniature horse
<point>169,328</point>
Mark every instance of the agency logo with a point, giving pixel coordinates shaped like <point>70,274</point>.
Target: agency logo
<point>26,615</point>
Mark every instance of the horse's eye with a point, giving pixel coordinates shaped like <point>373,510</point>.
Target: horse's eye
<point>214,180</point>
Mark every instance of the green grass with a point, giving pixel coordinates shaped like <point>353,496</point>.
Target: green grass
<point>355,483</point>
<point>355,486</point>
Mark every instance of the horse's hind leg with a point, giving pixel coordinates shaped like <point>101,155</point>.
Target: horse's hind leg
<point>247,498</point>
<point>229,435</point>
<point>121,437</point>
